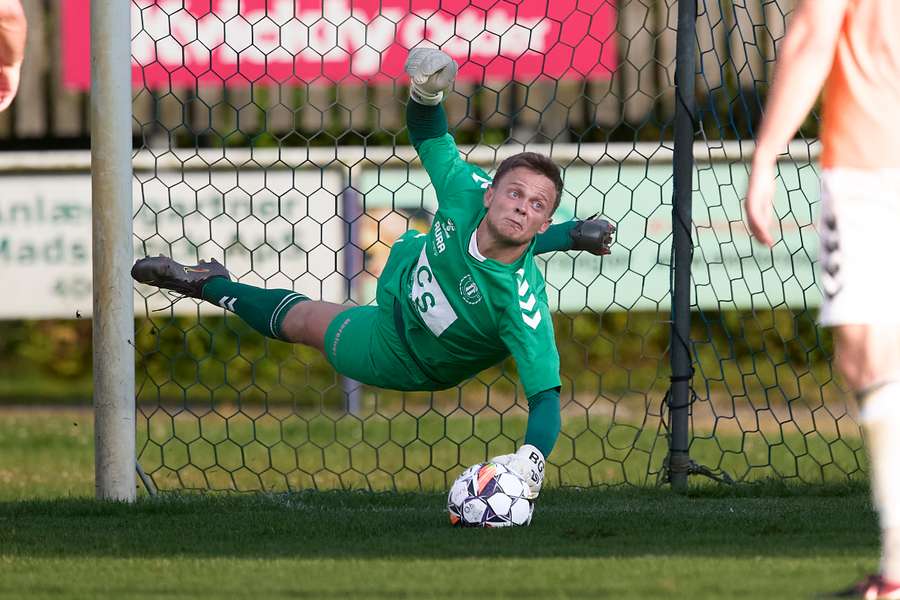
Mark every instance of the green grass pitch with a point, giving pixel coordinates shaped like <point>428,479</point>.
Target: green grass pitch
<point>765,540</point>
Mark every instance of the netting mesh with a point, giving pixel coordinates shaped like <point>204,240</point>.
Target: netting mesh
<point>271,137</point>
<point>771,405</point>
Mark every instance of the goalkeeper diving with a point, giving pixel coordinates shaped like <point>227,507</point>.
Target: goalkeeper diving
<point>451,302</point>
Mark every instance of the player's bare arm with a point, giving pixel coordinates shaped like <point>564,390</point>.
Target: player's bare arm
<point>13,32</point>
<point>804,60</point>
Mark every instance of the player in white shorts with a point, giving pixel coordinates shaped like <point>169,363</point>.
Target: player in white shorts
<point>858,223</point>
<point>852,48</point>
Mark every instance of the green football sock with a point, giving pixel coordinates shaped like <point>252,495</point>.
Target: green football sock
<point>264,310</point>
<point>543,420</point>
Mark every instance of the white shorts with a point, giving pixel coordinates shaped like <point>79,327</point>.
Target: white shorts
<point>859,236</point>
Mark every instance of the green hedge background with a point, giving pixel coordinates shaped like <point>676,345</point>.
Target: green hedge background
<point>219,359</point>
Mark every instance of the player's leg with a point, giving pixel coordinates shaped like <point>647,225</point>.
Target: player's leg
<point>361,342</point>
<point>307,323</point>
<point>263,309</point>
<point>266,310</point>
<point>860,217</point>
<point>868,357</point>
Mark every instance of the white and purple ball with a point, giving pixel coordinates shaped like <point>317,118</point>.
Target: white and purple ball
<point>489,495</point>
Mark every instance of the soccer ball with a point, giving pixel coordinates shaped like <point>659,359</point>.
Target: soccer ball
<point>489,495</point>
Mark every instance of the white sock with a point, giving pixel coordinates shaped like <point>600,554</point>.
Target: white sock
<point>880,417</point>
<point>890,554</point>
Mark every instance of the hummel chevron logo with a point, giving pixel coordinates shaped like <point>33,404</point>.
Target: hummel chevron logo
<point>527,305</point>
<point>533,321</point>
<point>527,302</point>
<point>831,258</point>
<point>227,303</point>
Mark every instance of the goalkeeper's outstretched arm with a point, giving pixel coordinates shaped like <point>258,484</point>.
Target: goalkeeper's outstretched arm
<point>591,235</point>
<point>424,122</point>
<point>431,73</point>
<point>544,424</point>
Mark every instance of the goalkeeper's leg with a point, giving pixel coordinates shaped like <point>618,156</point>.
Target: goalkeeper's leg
<point>361,342</point>
<point>264,310</point>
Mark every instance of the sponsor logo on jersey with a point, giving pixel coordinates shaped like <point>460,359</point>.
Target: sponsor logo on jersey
<point>481,181</point>
<point>429,299</point>
<point>531,311</point>
<point>442,231</point>
<point>468,289</point>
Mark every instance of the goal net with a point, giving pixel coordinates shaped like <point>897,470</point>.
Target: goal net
<point>272,138</point>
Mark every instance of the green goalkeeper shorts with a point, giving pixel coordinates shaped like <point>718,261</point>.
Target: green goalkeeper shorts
<point>368,343</point>
<point>363,343</point>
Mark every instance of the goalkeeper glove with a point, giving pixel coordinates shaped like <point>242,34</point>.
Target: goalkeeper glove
<point>527,463</point>
<point>430,72</point>
<point>593,235</point>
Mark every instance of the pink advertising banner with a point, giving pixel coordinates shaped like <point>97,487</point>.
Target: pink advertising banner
<point>271,42</point>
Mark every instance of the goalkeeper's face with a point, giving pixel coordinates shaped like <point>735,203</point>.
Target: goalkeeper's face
<point>520,206</point>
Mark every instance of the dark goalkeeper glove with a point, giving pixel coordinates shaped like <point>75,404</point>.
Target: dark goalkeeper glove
<point>593,235</point>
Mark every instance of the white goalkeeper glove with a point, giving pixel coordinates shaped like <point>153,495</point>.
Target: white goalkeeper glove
<point>430,71</point>
<point>527,463</point>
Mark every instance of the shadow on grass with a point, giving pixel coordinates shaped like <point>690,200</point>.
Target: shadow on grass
<point>768,519</point>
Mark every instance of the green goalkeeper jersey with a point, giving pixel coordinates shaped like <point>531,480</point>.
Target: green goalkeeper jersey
<point>463,312</point>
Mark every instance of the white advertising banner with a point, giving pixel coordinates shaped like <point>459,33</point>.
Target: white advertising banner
<point>281,227</point>
<point>729,271</point>
<point>45,246</point>
<point>259,222</point>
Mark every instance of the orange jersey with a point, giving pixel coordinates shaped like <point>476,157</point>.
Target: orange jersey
<point>861,122</point>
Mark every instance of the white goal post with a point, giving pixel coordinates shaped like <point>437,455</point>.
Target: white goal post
<point>113,302</point>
